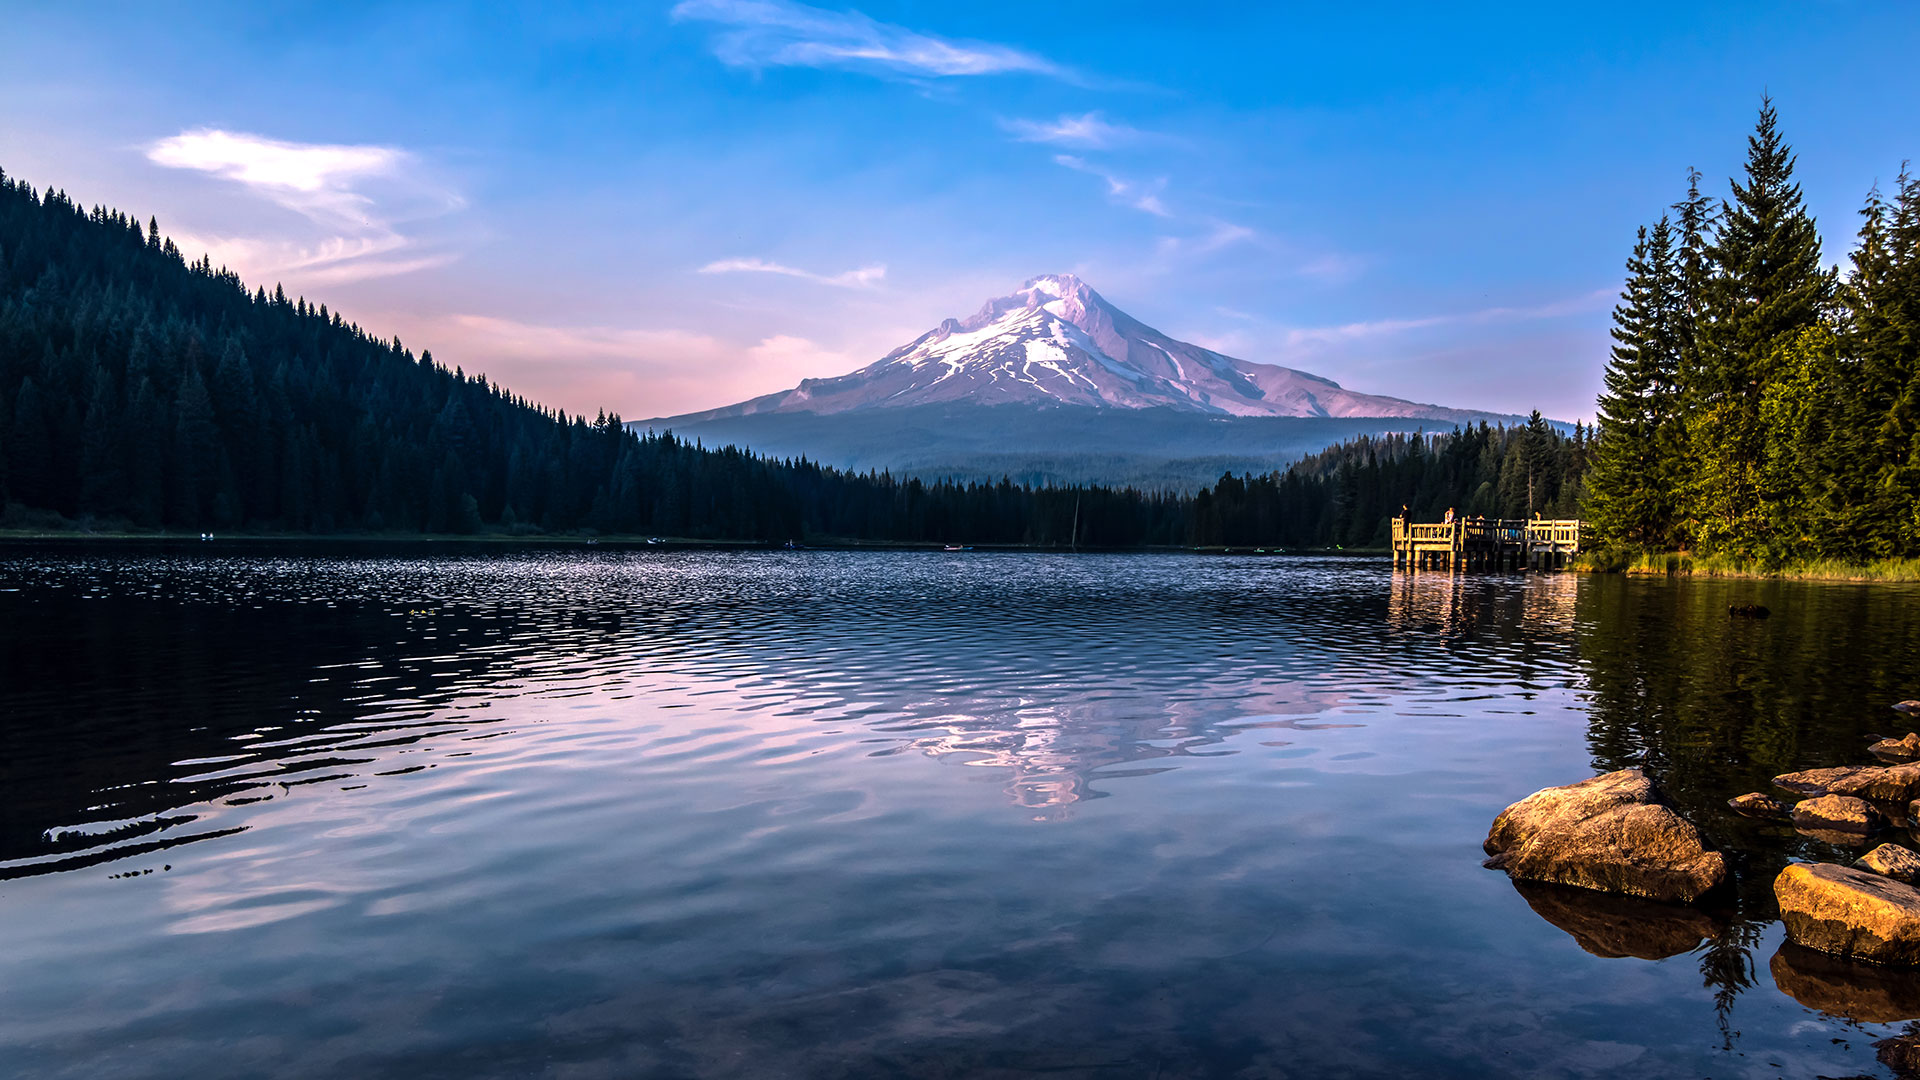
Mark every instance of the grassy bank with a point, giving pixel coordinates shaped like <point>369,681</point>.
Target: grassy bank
<point>1682,564</point>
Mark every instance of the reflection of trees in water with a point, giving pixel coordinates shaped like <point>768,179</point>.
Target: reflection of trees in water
<point>123,720</point>
<point>1713,706</point>
<point>1726,965</point>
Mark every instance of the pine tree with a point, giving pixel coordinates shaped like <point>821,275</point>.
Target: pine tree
<point>196,454</point>
<point>1798,475</point>
<point>1883,331</point>
<point>30,447</point>
<point>147,440</point>
<point>1767,286</point>
<point>102,478</point>
<point>1630,490</point>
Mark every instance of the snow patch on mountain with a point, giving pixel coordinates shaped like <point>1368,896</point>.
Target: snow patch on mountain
<point>1055,342</point>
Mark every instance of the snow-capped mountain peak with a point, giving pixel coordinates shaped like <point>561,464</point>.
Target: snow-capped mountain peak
<point>1055,342</point>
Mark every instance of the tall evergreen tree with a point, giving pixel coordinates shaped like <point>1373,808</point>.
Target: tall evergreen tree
<point>1630,489</point>
<point>102,460</point>
<point>30,447</point>
<point>1767,286</point>
<point>196,454</point>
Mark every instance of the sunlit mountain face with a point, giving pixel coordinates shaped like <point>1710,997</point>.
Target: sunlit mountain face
<point>1053,384</point>
<point>1055,342</point>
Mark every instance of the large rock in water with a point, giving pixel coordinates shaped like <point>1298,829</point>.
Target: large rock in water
<point>1609,833</point>
<point>1849,912</point>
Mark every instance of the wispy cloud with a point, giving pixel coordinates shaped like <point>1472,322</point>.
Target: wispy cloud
<point>310,177</point>
<point>865,277</point>
<point>780,33</point>
<point>1090,130</point>
<point>1221,234</point>
<point>1144,197</point>
<point>1333,267</point>
<point>1586,303</point>
<point>327,184</point>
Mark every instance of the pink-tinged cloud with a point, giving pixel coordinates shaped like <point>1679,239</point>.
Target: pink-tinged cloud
<point>638,373</point>
<point>349,203</point>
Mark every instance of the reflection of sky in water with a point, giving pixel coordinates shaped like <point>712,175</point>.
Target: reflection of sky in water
<point>818,812</point>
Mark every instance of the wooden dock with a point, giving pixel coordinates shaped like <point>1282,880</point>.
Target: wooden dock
<point>1486,544</point>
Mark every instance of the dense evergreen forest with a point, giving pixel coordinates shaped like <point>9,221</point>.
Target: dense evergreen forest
<point>140,390</point>
<point>1346,495</point>
<point>1759,405</point>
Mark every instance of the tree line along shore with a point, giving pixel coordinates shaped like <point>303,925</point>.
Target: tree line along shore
<point>143,393</point>
<point>1761,416</point>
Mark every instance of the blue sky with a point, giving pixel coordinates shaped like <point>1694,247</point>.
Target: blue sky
<point>659,207</point>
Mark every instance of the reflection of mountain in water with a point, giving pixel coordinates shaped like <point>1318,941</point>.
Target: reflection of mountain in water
<point>210,686</point>
<point>1053,757</point>
<point>750,775</point>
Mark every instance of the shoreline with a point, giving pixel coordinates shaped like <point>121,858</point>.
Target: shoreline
<point>1683,564</point>
<point>22,537</point>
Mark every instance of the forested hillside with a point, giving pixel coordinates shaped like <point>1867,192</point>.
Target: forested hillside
<point>141,390</point>
<point>1758,404</point>
<point>1344,496</point>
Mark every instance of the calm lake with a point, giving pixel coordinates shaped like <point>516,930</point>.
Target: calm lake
<point>435,811</point>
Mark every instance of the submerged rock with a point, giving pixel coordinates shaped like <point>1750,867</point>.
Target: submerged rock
<point>1837,837</point>
<point>1618,926</point>
<point>1849,912</point>
<point>1897,750</point>
<point>1815,781</point>
<point>1894,861</point>
<point>1751,611</point>
<point>1867,993</point>
<point>1757,804</point>
<point>1609,833</point>
<point>1836,813</point>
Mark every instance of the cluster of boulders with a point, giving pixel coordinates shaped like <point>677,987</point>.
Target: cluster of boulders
<point>1870,910</point>
<point>1616,834</point>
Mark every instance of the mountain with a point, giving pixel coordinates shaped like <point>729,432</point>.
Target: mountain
<point>1056,342</point>
<point>1006,392</point>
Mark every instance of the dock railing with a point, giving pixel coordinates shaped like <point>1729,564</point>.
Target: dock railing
<point>1486,543</point>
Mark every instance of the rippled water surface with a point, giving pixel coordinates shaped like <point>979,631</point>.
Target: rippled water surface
<point>432,812</point>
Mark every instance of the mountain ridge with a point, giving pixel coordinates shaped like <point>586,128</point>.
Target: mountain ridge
<point>1055,342</point>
